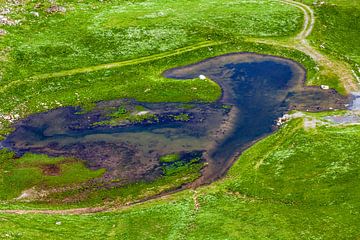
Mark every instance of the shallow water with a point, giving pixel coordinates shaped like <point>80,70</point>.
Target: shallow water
<point>257,90</point>
<point>355,103</point>
<point>261,89</point>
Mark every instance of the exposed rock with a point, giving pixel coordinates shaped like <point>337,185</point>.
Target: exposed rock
<point>5,11</point>
<point>202,77</point>
<point>29,194</point>
<point>56,9</point>
<point>9,117</point>
<point>2,32</point>
<point>142,113</point>
<point>7,21</point>
<point>325,87</point>
<point>36,14</point>
<point>350,118</point>
<point>280,121</point>
<point>15,2</point>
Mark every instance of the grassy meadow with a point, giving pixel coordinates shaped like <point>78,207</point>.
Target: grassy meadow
<point>295,184</point>
<point>336,31</point>
<point>33,170</point>
<point>92,33</point>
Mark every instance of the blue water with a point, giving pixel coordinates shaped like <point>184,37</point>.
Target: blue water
<point>259,89</point>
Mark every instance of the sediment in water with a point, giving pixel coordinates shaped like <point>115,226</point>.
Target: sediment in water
<point>257,88</point>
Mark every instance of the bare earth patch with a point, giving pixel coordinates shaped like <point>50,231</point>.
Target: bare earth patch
<point>51,170</point>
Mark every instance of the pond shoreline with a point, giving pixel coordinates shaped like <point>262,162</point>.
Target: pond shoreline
<point>257,89</point>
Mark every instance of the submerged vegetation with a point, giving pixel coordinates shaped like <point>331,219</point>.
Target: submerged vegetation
<point>93,33</point>
<point>39,172</point>
<point>50,182</point>
<point>295,184</point>
<point>299,183</point>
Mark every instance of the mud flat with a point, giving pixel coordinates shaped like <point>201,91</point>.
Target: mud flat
<point>128,138</point>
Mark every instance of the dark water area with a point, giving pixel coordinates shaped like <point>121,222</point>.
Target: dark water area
<point>257,90</point>
<point>261,89</point>
<point>129,151</point>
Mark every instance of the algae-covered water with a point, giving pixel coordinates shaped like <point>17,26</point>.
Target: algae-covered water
<point>257,90</point>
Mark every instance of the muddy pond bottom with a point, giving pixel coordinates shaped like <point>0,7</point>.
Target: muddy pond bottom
<point>131,139</point>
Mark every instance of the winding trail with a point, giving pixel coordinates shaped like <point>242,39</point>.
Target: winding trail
<point>105,66</point>
<point>341,69</point>
<point>309,19</point>
<point>75,211</point>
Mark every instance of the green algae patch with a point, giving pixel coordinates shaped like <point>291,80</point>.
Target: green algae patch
<point>170,158</point>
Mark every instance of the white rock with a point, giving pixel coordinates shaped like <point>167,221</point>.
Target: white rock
<point>142,113</point>
<point>286,116</point>
<point>2,32</point>
<point>5,11</point>
<point>36,14</point>
<point>202,77</point>
<point>9,22</point>
<point>325,87</point>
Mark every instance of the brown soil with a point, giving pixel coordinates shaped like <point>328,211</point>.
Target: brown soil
<point>51,170</point>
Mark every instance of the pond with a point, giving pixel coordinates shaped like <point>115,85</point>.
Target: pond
<point>128,138</point>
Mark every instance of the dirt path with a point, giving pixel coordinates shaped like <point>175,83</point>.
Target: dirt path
<point>309,18</point>
<point>112,65</point>
<point>98,209</point>
<point>339,68</point>
<point>75,211</point>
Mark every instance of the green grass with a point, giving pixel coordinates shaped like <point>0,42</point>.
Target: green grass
<point>316,167</point>
<point>27,172</point>
<point>306,187</point>
<point>95,35</point>
<point>295,184</point>
<point>174,176</point>
<point>170,158</point>
<point>123,115</point>
<point>177,166</point>
<point>122,111</point>
<point>182,117</point>
<point>324,77</point>
<point>337,30</point>
<point>142,82</point>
